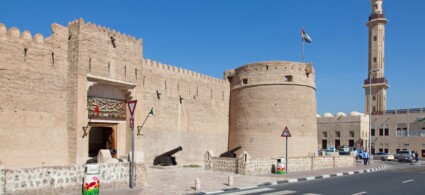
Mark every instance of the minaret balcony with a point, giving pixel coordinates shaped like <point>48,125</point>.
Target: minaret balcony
<point>376,81</point>
<point>376,16</point>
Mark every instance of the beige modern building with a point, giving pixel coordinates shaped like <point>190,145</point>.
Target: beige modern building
<point>342,130</point>
<point>390,130</point>
<point>395,130</point>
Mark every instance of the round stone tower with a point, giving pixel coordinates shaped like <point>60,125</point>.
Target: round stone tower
<point>265,98</point>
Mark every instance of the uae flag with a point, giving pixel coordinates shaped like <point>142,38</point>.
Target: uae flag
<point>305,36</point>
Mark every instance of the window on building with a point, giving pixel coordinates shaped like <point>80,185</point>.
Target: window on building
<point>381,132</point>
<point>337,134</point>
<point>244,81</point>
<point>351,133</point>
<point>374,59</point>
<point>324,134</point>
<point>381,150</point>
<point>374,97</point>
<point>387,131</point>
<point>375,38</point>
<point>372,132</point>
<point>288,78</point>
<point>386,150</point>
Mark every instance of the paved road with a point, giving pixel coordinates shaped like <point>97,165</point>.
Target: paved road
<point>400,178</point>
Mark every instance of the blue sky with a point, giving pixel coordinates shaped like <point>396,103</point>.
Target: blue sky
<point>211,36</point>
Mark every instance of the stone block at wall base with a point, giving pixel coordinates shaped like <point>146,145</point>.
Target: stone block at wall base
<point>2,180</point>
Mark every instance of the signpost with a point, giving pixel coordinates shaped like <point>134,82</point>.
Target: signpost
<point>131,107</point>
<point>286,134</point>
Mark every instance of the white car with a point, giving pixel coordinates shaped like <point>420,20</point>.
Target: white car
<point>383,156</point>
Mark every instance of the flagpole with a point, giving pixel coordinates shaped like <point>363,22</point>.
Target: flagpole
<point>303,51</point>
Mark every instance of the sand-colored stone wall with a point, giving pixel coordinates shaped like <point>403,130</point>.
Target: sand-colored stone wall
<point>245,165</point>
<point>33,110</point>
<point>191,110</point>
<point>265,98</point>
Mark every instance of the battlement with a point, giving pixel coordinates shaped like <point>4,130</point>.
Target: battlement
<point>26,36</point>
<point>154,65</point>
<point>92,27</point>
<point>272,72</point>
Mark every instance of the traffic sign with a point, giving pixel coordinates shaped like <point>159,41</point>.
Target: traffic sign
<point>286,133</point>
<point>132,106</point>
<point>132,122</point>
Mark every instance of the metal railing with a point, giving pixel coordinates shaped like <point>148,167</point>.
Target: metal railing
<point>399,111</point>
<point>376,16</point>
<point>376,81</point>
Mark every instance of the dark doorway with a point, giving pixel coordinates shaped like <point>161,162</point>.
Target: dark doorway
<point>351,143</point>
<point>423,153</point>
<point>324,144</point>
<point>101,138</point>
<point>337,143</point>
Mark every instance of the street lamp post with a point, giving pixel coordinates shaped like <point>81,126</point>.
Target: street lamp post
<point>370,110</point>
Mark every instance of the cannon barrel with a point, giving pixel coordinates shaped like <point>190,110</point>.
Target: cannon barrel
<point>171,152</point>
<point>230,153</point>
<point>167,159</point>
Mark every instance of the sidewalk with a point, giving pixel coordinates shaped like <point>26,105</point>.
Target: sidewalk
<point>180,180</point>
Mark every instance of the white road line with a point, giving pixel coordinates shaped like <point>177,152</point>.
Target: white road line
<point>326,176</point>
<point>215,192</point>
<point>407,181</point>
<point>281,192</point>
<point>252,191</point>
<point>311,194</point>
<point>360,193</point>
<point>249,187</point>
<point>339,174</point>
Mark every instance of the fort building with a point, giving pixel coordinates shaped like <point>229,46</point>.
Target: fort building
<point>265,98</point>
<point>64,97</point>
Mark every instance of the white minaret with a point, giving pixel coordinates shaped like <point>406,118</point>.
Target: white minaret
<point>376,85</point>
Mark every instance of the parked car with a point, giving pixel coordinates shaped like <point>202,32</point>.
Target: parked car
<point>383,156</point>
<point>405,155</point>
<point>344,151</point>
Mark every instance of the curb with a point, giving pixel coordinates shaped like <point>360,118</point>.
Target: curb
<point>293,180</point>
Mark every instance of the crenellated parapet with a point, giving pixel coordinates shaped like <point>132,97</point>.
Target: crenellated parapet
<point>26,36</point>
<point>116,35</point>
<point>159,67</point>
<point>272,73</point>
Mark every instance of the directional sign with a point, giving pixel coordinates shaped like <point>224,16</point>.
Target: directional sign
<point>132,106</point>
<point>286,133</point>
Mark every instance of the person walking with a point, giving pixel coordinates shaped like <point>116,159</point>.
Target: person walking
<point>365,157</point>
<point>417,157</point>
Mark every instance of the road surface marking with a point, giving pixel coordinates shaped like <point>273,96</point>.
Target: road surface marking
<point>281,192</point>
<point>292,180</point>
<point>250,187</point>
<point>252,191</point>
<point>360,193</point>
<point>310,178</point>
<point>407,181</point>
<point>311,194</point>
